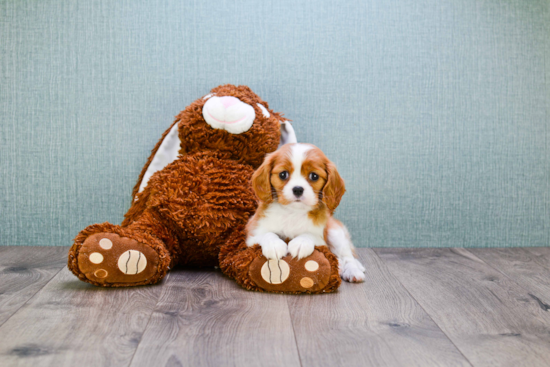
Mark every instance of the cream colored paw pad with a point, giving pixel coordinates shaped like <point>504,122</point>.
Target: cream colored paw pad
<point>132,262</point>
<point>96,258</point>
<point>101,273</point>
<point>311,265</point>
<point>106,244</point>
<point>275,271</point>
<point>306,282</point>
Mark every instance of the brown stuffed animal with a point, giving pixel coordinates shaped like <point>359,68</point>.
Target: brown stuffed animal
<point>193,199</point>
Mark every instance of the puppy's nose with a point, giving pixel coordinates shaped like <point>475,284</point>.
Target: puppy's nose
<point>298,191</point>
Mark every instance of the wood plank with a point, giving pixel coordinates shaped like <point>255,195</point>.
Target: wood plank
<point>24,270</point>
<point>542,255</point>
<point>520,265</point>
<point>72,323</point>
<point>205,319</point>
<point>491,319</point>
<point>376,323</point>
<point>34,256</point>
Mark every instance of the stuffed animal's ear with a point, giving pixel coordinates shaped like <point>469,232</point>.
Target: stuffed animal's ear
<point>162,155</point>
<point>287,133</point>
<point>261,180</point>
<point>334,187</point>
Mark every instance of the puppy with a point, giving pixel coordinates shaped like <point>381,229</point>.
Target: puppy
<point>299,189</point>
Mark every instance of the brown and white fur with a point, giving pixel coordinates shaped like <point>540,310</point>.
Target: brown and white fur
<point>299,189</point>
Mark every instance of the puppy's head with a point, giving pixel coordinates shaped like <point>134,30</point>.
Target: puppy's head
<point>299,175</point>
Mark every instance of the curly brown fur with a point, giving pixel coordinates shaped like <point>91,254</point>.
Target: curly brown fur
<point>188,196</point>
<point>235,258</point>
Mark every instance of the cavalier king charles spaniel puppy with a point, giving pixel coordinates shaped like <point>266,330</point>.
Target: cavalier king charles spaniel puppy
<point>299,189</point>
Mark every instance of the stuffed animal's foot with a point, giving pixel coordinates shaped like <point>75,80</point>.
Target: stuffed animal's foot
<point>113,260</point>
<point>311,274</point>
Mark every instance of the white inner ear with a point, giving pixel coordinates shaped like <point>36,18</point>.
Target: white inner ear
<point>287,134</point>
<point>265,112</point>
<point>166,154</point>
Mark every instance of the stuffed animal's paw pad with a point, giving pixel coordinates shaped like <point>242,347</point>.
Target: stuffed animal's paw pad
<point>275,271</point>
<point>132,262</point>
<point>291,275</point>
<point>110,258</point>
<point>311,265</point>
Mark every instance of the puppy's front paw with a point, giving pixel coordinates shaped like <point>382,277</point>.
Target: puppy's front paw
<point>352,271</point>
<point>273,247</point>
<point>302,246</point>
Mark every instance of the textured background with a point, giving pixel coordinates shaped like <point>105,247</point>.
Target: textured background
<point>436,112</point>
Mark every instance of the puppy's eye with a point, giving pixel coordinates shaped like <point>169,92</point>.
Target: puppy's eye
<point>313,176</point>
<point>283,175</point>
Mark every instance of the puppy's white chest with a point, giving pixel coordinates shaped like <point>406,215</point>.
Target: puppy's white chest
<point>288,222</point>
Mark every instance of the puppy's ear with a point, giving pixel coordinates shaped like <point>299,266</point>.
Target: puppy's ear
<point>334,187</point>
<point>261,179</point>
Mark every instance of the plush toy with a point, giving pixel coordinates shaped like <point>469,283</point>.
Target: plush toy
<point>192,201</point>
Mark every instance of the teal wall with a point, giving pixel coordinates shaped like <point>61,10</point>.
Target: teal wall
<point>436,112</point>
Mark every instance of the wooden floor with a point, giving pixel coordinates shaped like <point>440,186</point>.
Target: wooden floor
<point>418,307</point>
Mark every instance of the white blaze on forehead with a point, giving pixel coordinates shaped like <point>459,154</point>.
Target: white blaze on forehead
<point>298,152</point>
